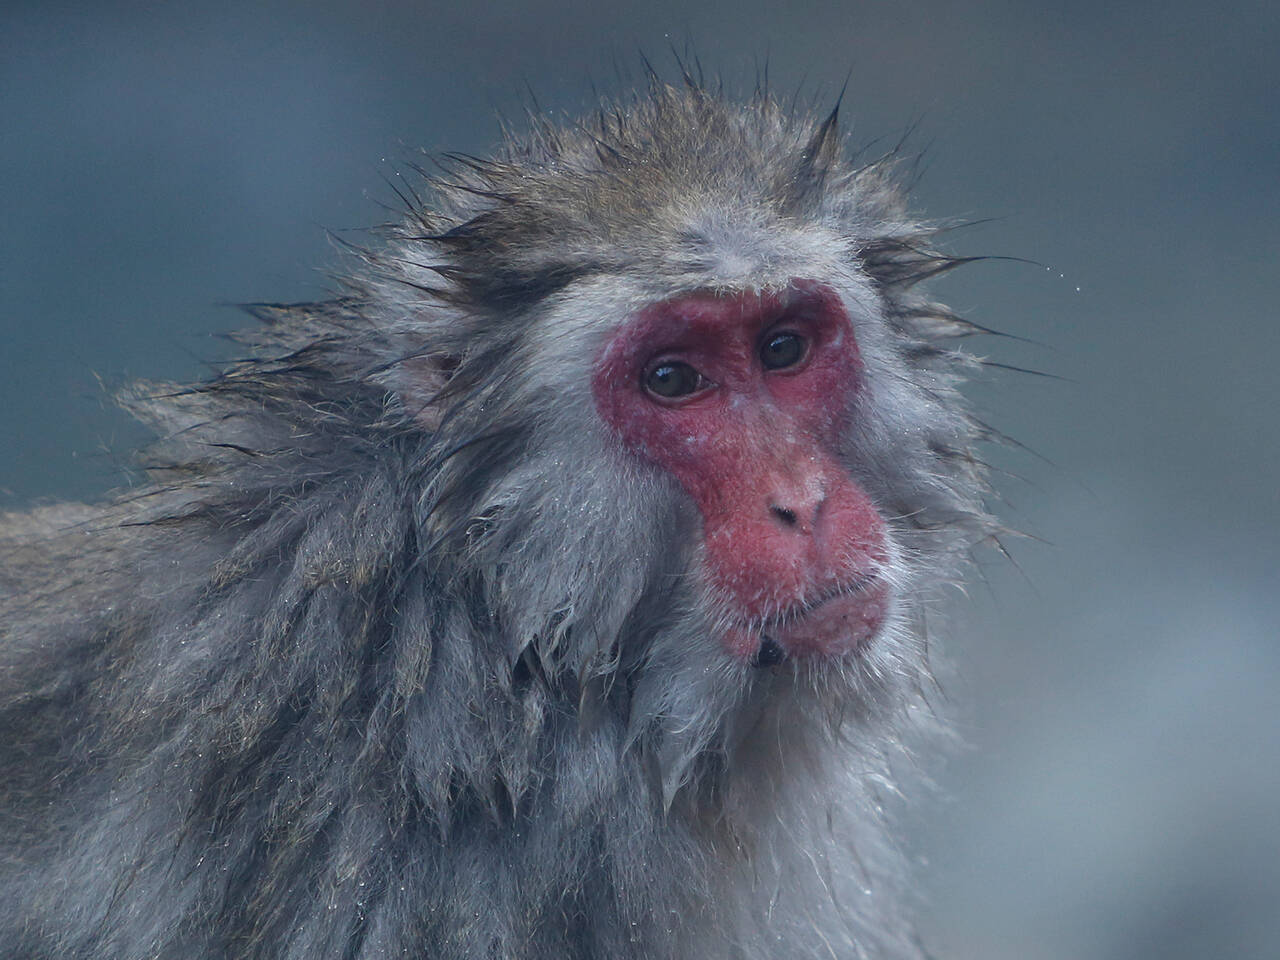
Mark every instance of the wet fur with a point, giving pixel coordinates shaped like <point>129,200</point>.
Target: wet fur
<point>398,654</point>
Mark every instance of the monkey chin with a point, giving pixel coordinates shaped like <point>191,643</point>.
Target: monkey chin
<point>842,625</point>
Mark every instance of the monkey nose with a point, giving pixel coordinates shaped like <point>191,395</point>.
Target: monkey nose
<point>794,502</point>
<point>785,515</point>
<point>793,515</point>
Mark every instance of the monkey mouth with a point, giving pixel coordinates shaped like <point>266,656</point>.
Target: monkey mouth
<point>841,623</point>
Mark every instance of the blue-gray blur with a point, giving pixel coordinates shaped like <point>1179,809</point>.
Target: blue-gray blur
<point>1118,686</point>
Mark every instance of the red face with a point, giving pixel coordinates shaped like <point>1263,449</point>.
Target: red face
<point>743,400</point>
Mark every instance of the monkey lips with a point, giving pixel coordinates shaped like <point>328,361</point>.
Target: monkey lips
<point>839,625</point>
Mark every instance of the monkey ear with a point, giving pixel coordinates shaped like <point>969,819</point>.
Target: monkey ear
<point>415,375</point>
<point>419,381</point>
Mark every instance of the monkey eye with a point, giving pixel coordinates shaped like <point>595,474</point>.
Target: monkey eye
<point>673,379</point>
<point>782,350</point>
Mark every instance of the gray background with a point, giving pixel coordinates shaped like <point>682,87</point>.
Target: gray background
<point>1117,685</point>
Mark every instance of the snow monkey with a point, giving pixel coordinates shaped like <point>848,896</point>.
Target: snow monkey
<point>557,589</point>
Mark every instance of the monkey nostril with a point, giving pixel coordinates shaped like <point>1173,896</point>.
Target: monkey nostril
<point>785,514</point>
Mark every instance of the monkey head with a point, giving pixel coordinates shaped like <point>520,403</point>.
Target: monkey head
<point>737,418</point>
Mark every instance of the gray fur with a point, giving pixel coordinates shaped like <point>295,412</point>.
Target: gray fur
<point>397,654</point>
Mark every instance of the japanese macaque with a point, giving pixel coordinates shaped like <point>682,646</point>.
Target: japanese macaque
<point>557,589</point>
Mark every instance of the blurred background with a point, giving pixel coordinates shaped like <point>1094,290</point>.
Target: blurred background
<point>1116,682</point>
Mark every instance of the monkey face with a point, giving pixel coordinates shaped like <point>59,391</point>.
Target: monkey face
<point>743,400</point>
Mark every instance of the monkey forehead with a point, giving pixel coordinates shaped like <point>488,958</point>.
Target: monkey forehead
<point>706,241</point>
<point>738,247</point>
<point>703,243</point>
